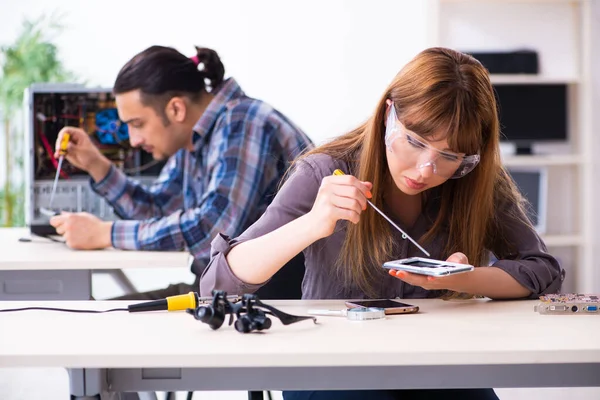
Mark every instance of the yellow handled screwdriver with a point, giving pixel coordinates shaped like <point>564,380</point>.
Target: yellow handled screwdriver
<point>339,172</point>
<point>62,151</point>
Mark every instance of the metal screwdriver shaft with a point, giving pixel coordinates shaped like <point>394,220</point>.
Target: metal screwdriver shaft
<point>62,151</point>
<point>404,234</point>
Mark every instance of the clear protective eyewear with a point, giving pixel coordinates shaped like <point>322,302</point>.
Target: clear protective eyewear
<point>411,149</point>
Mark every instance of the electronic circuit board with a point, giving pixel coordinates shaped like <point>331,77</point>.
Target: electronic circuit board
<point>569,303</point>
<point>50,107</point>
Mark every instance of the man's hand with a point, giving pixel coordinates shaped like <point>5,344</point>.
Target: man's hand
<point>83,231</point>
<point>450,282</point>
<point>83,154</point>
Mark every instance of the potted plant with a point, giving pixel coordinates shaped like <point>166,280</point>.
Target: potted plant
<point>32,58</point>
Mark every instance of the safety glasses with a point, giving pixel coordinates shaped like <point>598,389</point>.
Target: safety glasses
<point>411,149</point>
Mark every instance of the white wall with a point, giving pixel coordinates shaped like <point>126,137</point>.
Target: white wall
<point>323,63</point>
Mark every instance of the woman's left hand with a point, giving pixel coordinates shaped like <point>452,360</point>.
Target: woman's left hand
<point>435,283</point>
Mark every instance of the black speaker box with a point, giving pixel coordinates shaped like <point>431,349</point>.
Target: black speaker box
<point>514,62</point>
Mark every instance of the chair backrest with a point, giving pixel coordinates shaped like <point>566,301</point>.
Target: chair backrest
<point>286,284</point>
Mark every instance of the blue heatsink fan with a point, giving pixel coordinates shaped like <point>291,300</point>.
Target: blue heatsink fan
<point>109,128</point>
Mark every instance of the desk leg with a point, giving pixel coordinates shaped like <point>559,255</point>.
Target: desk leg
<point>91,384</point>
<point>86,384</point>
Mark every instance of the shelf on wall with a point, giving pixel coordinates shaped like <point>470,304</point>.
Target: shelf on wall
<point>542,160</point>
<point>562,240</point>
<point>531,79</point>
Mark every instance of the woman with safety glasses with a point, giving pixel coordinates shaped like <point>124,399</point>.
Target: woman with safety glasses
<point>429,158</point>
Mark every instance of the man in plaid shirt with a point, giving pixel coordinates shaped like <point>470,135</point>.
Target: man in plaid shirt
<point>226,156</point>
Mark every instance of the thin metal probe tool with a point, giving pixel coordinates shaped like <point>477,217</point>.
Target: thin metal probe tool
<point>404,234</point>
<point>62,152</point>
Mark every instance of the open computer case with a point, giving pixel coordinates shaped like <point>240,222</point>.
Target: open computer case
<point>50,107</point>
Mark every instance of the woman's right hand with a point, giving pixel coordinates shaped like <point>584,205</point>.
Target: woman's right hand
<point>82,153</point>
<point>339,197</point>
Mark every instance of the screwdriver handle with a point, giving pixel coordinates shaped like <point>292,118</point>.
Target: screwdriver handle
<point>338,172</point>
<point>64,142</point>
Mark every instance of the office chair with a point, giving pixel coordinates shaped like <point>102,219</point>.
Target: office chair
<point>286,284</point>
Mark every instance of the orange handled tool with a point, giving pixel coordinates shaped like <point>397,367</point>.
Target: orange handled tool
<point>64,142</point>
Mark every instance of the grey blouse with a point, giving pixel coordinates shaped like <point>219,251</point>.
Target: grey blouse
<point>531,266</point>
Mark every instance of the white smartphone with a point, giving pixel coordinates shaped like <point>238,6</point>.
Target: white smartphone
<point>427,266</point>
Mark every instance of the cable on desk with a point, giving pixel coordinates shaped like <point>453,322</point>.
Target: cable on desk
<point>49,237</point>
<point>63,310</point>
<point>171,303</point>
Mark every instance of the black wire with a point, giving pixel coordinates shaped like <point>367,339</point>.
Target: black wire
<point>63,309</point>
<point>51,238</point>
<point>142,167</point>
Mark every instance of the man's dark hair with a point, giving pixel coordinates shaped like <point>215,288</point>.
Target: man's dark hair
<point>161,73</point>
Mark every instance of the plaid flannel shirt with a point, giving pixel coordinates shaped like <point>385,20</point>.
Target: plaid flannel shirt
<point>242,148</point>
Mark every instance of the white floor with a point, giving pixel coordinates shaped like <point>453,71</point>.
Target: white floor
<point>53,384</point>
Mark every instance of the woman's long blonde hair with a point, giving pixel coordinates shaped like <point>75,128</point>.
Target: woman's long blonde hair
<point>439,89</point>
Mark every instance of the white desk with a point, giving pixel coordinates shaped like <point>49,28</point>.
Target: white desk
<point>447,345</point>
<point>42,269</point>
